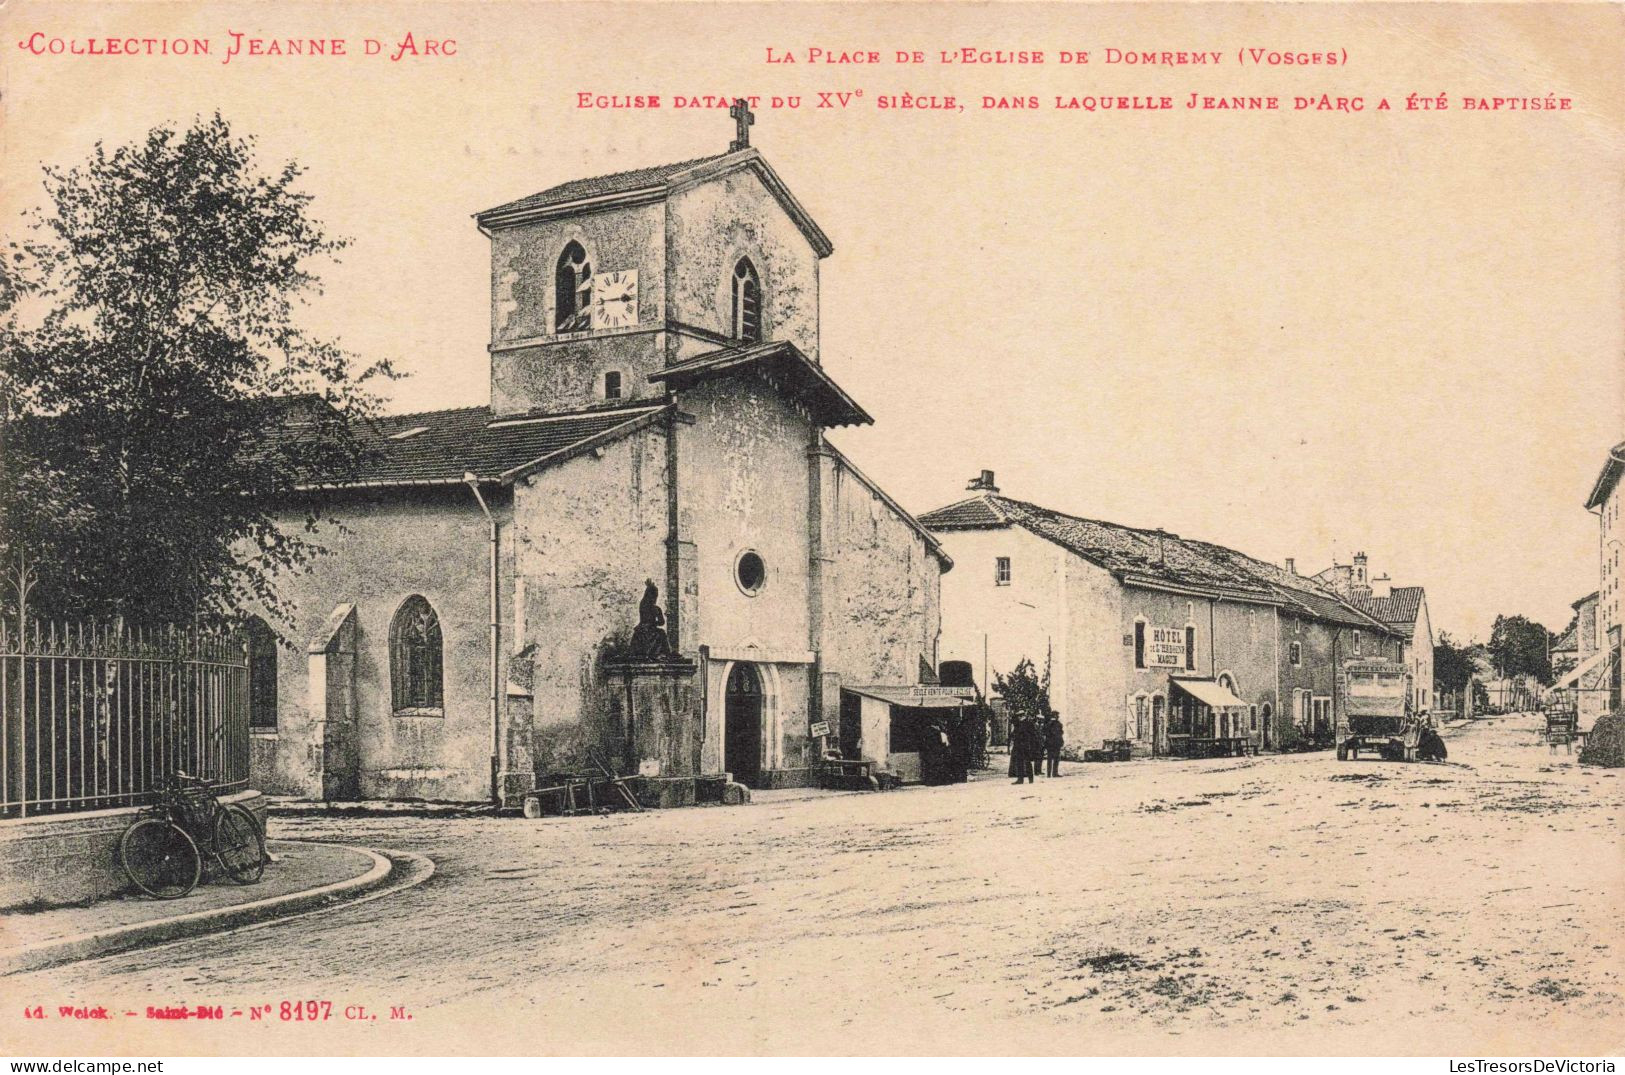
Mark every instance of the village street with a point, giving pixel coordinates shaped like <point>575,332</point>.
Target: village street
<point>1289,903</point>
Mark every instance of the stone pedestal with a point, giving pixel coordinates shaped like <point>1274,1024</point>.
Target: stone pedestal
<point>654,720</point>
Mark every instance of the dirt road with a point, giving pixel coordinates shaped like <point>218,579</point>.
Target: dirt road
<point>1280,904</point>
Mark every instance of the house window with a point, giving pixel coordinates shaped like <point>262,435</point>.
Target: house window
<point>1295,652</point>
<point>414,658</point>
<point>747,302</point>
<point>1190,648</point>
<point>1001,571</point>
<point>262,657</point>
<point>1139,643</point>
<point>612,384</point>
<point>572,290</point>
<point>1356,643</point>
<point>1252,716</point>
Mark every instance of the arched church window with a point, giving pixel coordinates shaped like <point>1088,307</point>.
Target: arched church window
<point>572,290</point>
<point>262,656</point>
<point>414,657</point>
<point>747,304</point>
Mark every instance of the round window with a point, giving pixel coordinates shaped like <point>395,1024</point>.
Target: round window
<point>750,572</point>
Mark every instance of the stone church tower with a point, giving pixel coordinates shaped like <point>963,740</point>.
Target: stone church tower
<point>657,419</point>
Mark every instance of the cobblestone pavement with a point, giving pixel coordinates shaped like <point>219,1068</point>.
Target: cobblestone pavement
<point>1279,904</point>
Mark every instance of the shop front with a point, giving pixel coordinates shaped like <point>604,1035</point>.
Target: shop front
<point>1206,719</point>
<point>918,734</point>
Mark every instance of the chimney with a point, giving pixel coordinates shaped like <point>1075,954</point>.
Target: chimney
<point>1381,587</point>
<point>1162,546</point>
<point>1291,566</point>
<point>983,483</point>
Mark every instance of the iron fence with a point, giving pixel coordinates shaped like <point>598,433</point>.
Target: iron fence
<point>95,717</point>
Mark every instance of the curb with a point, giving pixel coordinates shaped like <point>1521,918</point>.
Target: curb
<point>391,871</point>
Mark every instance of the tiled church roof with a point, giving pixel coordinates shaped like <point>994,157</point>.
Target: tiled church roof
<point>1153,557</point>
<point>439,447</point>
<point>601,186</point>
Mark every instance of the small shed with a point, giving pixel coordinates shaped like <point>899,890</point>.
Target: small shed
<point>909,731</point>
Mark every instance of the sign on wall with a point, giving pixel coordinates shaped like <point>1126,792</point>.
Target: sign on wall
<point>1167,648</point>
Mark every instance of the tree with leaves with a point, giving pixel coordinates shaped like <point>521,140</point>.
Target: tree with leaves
<point>159,401</point>
<point>1025,690</point>
<point>1453,664</point>
<point>1520,647</point>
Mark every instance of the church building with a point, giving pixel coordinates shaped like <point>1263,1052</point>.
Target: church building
<point>644,552</point>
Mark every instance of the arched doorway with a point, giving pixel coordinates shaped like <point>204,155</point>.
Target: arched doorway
<point>742,730</point>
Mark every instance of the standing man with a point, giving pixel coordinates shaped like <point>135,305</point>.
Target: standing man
<point>1021,755</point>
<point>1054,739</point>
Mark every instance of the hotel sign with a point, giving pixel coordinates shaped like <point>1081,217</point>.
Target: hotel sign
<point>1166,648</point>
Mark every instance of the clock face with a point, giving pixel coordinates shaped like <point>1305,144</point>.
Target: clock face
<point>615,299</point>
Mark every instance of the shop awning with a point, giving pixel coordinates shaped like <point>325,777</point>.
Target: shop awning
<point>1208,693</point>
<point>1591,663</point>
<point>919,697</point>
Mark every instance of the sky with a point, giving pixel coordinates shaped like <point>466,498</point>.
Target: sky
<point>1298,333</point>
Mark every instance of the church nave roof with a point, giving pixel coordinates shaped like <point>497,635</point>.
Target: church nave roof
<point>440,447</point>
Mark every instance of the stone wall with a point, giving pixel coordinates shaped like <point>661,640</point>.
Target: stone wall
<point>709,227</point>
<point>393,544</point>
<point>535,367</point>
<point>587,535</point>
<point>56,859</point>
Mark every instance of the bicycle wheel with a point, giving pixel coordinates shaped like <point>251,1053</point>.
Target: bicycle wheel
<point>239,844</point>
<point>160,859</point>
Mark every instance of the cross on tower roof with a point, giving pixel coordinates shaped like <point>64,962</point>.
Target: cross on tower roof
<point>743,118</point>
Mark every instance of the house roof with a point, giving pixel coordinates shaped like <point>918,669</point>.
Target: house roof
<point>784,366</point>
<point>1155,559</point>
<point>1304,596</point>
<point>1592,596</point>
<point>653,184</point>
<point>1399,609</point>
<point>1609,477</point>
<point>440,447</point>
<point>1570,640</point>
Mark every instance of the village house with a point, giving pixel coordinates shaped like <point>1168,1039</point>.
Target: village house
<point>1403,608</point>
<point>1581,663</point>
<point>644,550</point>
<point>1177,646</point>
<point>1604,502</point>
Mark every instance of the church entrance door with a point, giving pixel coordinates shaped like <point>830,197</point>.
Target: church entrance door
<point>742,731</point>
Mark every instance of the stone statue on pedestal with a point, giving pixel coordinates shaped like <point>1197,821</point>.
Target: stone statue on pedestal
<point>649,641</point>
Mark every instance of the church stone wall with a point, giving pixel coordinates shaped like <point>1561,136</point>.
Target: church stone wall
<point>393,545</point>
<point>882,591</point>
<point>587,535</point>
<point>560,372</point>
<point>744,487</point>
<point>710,227</point>
<point>569,375</point>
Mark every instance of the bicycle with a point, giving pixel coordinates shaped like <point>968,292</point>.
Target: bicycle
<point>162,853</point>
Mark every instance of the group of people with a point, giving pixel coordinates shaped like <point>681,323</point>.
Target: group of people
<point>1035,744</point>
